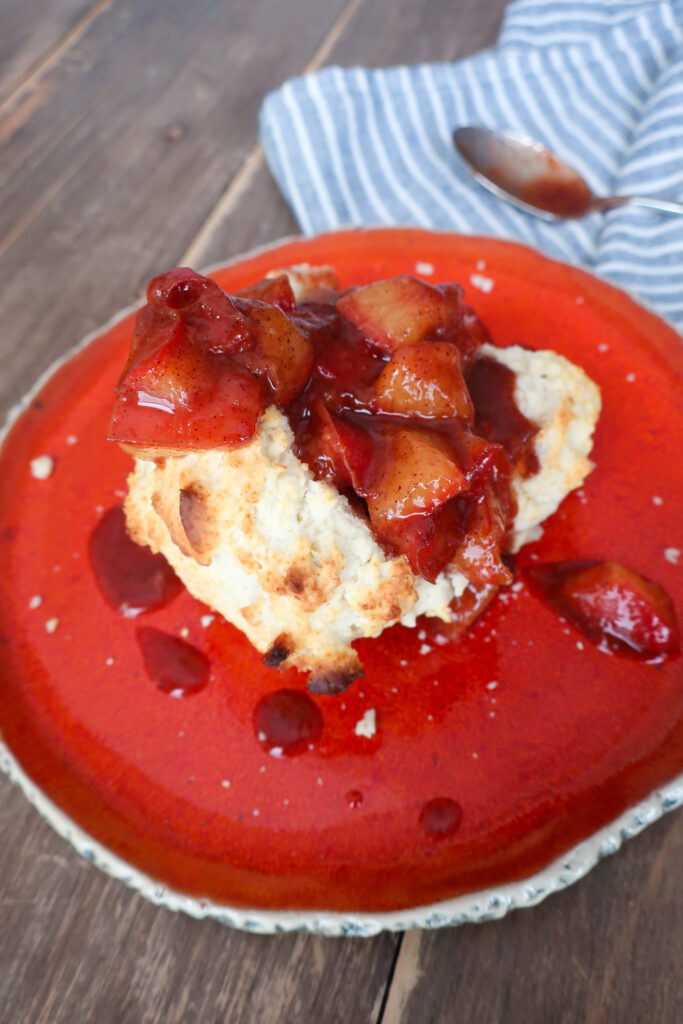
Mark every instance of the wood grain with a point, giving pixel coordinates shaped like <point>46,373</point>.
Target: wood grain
<point>129,140</point>
<point>77,947</point>
<point>606,951</point>
<point>33,32</point>
<point>407,32</point>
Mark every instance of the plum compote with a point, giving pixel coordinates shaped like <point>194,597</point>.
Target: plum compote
<point>373,381</point>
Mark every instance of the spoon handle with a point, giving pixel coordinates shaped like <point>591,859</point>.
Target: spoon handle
<point>664,205</point>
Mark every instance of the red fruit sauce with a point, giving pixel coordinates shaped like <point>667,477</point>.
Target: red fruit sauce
<point>538,737</point>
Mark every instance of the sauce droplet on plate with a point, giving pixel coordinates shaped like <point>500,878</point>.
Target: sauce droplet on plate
<point>287,722</point>
<point>177,668</point>
<point>132,579</point>
<point>441,817</point>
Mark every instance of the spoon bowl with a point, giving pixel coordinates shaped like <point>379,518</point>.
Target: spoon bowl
<point>531,177</point>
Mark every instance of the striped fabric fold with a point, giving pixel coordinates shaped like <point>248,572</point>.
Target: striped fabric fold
<point>599,83</point>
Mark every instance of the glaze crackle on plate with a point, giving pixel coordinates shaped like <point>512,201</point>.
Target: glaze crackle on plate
<point>453,782</point>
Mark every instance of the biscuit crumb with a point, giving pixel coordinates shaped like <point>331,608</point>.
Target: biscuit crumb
<point>424,268</point>
<point>484,284</point>
<point>42,467</point>
<point>367,726</point>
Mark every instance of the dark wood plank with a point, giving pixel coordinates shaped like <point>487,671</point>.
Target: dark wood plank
<point>433,30</point>
<point>32,30</point>
<point>243,226</point>
<point>605,951</point>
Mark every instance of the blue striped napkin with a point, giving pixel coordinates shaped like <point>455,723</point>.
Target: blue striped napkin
<point>599,83</point>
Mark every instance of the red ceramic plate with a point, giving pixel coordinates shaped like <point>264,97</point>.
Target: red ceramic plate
<point>538,736</point>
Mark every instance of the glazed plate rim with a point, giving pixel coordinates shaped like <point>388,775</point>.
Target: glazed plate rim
<point>470,908</point>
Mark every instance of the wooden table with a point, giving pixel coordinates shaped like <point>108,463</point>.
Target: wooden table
<point>129,144</point>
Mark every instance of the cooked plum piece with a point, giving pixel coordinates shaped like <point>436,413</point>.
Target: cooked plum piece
<point>278,352</point>
<point>203,366</point>
<point>485,529</point>
<point>424,379</point>
<point>339,451</point>
<point>400,311</point>
<point>611,604</point>
<point>276,291</point>
<point>420,473</point>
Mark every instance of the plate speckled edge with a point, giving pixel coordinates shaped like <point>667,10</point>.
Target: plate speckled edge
<point>485,905</point>
<point>471,908</point>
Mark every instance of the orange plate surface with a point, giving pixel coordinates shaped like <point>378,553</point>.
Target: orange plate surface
<point>566,739</point>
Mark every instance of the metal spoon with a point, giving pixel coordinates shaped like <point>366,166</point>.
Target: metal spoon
<point>528,175</point>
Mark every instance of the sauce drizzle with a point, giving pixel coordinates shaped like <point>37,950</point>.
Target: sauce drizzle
<point>498,418</point>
